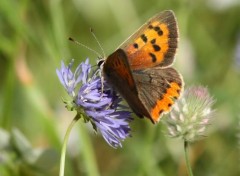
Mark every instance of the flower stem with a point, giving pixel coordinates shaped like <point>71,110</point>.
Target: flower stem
<point>64,147</point>
<point>189,169</point>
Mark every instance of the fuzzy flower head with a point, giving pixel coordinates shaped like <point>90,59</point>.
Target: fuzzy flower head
<point>96,102</point>
<point>191,114</point>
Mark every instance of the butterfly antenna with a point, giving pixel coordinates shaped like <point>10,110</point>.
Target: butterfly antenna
<point>85,46</point>
<point>100,46</point>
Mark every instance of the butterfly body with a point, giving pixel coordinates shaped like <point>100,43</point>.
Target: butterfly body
<point>140,69</point>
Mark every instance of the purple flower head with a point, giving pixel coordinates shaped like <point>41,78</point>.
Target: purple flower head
<point>100,107</point>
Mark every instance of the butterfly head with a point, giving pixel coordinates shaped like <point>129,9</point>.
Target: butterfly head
<point>100,62</point>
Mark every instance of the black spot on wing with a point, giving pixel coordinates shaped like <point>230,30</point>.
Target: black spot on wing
<point>158,30</point>
<point>153,41</point>
<point>135,45</point>
<point>150,26</point>
<point>144,38</point>
<point>153,56</point>
<point>156,48</point>
<point>161,111</point>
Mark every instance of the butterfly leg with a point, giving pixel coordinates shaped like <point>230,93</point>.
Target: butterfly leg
<point>102,84</point>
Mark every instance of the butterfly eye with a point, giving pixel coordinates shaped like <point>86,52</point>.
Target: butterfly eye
<point>100,63</point>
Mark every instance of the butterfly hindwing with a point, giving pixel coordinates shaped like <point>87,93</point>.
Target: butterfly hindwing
<point>154,44</point>
<point>158,88</point>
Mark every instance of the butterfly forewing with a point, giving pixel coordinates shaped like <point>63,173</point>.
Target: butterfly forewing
<point>154,44</point>
<point>117,72</point>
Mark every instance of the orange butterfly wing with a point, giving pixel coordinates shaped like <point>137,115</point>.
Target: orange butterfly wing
<point>154,44</point>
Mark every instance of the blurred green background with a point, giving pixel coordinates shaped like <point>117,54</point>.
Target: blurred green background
<point>33,119</point>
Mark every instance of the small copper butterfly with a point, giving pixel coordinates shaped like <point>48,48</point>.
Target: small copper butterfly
<point>140,69</point>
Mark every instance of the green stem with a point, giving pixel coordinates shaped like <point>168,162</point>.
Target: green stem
<point>87,155</point>
<point>189,169</point>
<point>64,147</point>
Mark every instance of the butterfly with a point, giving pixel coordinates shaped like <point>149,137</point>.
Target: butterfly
<point>141,68</point>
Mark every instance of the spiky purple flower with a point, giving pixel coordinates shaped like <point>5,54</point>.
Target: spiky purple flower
<point>100,107</point>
